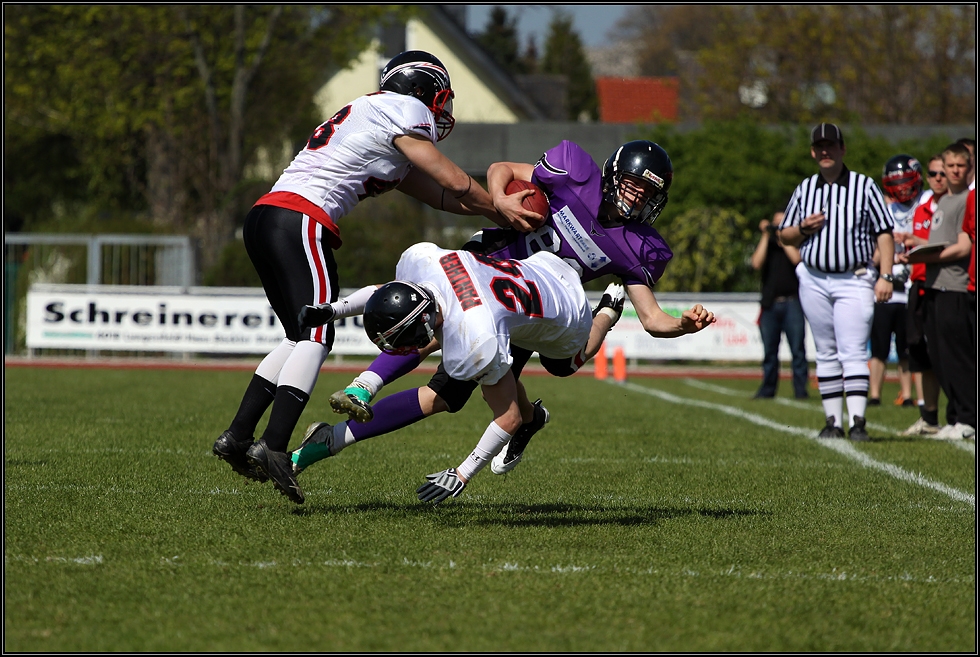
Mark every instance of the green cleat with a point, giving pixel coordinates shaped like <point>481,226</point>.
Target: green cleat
<point>355,401</point>
<point>315,446</point>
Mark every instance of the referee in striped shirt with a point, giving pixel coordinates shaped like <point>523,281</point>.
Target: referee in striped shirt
<point>837,218</point>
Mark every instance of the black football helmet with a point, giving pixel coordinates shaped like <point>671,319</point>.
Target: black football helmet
<point>902,178</point>
<point>418,74</point>
<point>400,317</point>
<point>635,180</point>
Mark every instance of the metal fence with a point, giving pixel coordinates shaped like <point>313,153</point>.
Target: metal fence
<point>31,258</point>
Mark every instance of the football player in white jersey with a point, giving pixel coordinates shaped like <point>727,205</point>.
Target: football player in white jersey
<point>379,142</point>
<point>475,307</point>
<point>902,183</point>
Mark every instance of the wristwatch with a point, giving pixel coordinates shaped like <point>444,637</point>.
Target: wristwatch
<point>887,277</point>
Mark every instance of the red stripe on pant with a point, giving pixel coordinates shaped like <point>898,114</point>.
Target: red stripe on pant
<point>312,227</point>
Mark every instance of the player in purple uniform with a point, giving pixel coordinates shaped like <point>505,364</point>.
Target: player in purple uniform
<point>600,223</point>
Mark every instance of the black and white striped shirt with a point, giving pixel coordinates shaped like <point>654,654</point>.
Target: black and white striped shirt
<point>855,216</point>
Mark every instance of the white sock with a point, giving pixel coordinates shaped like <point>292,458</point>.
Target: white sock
<point>856,406</point>
<point>302,367</point>
<point>834,406</point>
<point>353,304</point>
<point>370,381</point>
<point>342,437</point>
<point>492,441</point>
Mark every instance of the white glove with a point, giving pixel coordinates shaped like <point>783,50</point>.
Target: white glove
<point>440,486</point>
<point>612,302</point>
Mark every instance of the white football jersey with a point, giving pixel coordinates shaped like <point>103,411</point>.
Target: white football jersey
<point>902,214</point>
<point>537,303</point>
<point>352,155</point>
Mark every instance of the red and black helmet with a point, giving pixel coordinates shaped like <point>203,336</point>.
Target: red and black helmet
<point>421,75</point>
<point>902,178</point>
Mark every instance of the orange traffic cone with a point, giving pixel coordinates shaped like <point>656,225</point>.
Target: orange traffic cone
<point>601,364</point>
<point>619,365</point>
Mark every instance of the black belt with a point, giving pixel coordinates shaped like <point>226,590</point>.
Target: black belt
<point>784,299</point>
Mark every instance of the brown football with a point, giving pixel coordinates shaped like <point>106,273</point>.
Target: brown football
<point>536,202</point>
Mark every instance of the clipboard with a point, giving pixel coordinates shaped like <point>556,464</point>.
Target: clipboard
<point>926,249</point>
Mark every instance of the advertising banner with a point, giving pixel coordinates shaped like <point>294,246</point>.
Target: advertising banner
<point>241,321</point>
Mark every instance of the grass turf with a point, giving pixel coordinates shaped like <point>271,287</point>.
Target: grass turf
<point>633,524</point>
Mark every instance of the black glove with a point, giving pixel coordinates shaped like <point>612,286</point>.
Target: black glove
<point>313,316</point>
<point>440,486</point>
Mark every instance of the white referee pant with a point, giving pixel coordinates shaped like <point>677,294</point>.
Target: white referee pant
<point>840,309</point>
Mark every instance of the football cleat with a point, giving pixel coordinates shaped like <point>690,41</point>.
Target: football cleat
<point>355,401</point>
<point>958,431</point>
<point>831,430</point>
<point>511,454</point>
<point>232,451</point>
<point>277,467</point>
<point>921,428</point>
<point>315,446</point>
<point>857,432</point>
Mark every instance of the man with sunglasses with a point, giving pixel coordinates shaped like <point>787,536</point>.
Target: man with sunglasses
<point>379,142</point>
<point>926,384</point>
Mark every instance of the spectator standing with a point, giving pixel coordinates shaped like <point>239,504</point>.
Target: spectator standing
<point>781,310</point>
<point>902,184</point>
<point>970,228</point>
<point>927,387</point>
<point>971,145</point>
<point>951,340</point>
<point>837,217</point>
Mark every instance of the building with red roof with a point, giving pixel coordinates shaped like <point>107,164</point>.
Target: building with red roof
<point>637,100</point>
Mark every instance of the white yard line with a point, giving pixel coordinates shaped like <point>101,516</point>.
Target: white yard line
<point>965,445</point>
<point>843,447</point>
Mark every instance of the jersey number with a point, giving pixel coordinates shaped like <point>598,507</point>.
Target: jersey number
<point>543,239</point>
<point>325,131</point>
<point>511,294</point>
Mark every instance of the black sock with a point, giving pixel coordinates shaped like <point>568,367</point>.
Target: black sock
<point>286,410</point>
<point>258,397</point>
<point>932,417</point>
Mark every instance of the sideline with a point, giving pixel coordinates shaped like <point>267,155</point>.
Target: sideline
<point>355,365</point>
<point>965,445</point>
<point>843,447</point>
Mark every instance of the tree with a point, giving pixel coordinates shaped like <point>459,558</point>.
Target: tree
<point>165,105</point>
<point>730,174</point>
<point>499,38</point>
<point>906,64</point>
<point>564,55</point>
<point>529,59</point>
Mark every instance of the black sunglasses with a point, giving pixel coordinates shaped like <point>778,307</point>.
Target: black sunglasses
<point>933,174</point>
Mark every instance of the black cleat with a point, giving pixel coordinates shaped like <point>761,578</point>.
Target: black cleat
<point>831,430</point>
<point>857,432</point>
<point>277,467</point>
<point>232,451</point>
<point>511,454</point>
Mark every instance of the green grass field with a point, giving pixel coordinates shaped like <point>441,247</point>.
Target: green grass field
<point>663,515</point>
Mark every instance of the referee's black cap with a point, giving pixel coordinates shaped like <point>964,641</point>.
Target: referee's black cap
<point>827,131</point>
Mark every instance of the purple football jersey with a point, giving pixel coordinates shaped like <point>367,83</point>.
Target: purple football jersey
<point>566,173</point>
